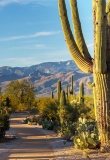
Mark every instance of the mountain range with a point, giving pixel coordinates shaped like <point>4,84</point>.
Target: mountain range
<point>44,76</point>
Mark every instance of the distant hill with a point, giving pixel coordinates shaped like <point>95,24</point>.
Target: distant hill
<point>44,76</point>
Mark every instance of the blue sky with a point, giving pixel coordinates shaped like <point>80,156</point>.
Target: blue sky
<point>30,31</point>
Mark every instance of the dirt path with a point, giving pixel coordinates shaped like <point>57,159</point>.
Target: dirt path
<point>33,144</point>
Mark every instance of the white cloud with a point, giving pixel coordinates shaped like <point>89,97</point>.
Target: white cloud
<point>39,2</point>
<point>38,34</point>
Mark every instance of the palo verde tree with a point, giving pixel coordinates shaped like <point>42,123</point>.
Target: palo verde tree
<point>100,65</point>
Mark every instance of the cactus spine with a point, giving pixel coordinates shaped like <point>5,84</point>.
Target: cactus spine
<point>58,90</point>
<point>81,93</point>
<point>100,65</point>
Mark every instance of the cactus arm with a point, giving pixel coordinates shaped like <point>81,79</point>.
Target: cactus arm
<point>100,45</point>
<point>78,31</point>
<point>81,62</point>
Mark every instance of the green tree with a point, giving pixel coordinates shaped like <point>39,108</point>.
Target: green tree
<point>48,107</point>
<point>21,93</point>
<point>100,65</point>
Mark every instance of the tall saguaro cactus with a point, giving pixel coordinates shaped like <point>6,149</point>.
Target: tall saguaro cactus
<point>67,92</point>
<point>100,65</point>
<point>58,90</point>
<point>51,94</point>
<point>62,98</point>
<point>81,93</point>
<point>71,85</point>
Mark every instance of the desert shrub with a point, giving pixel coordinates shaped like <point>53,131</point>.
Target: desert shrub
<point>48,124</point>
<point>68,115</point>
<point>26,120</point>
<point>47,108</point>
<point>89,108</point>
<point>65,131</point>
<point>4,125</point>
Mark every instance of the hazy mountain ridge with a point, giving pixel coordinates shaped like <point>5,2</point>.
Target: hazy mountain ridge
<point>44,76</point>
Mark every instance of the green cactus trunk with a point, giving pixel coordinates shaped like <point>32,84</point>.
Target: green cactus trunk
<point>62,107</point>
<point>62,98</point>
<point>102,85</point>
<point>81,93</point>
<point>71,85</point>
<point>58,90</point>
<point>51,95</point>
<point>66,92</point>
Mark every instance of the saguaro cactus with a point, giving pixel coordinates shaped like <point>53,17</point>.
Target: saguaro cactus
<point>62,107</point>
<point>62,98</point>
<point>51,94</point>
<point>100,65</point>
<point>58,90</point>
<point>71,85</point>
<point>81,93</point>
<point>67,92</point>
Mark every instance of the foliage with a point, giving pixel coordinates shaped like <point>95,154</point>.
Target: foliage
<point>4,125</point>
<point>88,108</point>
<point>21,94</point>
<point>86,135</point>
<point>68,115</point>
<point>69,112</point>
<point>48,107</point>
<point>48,124</point>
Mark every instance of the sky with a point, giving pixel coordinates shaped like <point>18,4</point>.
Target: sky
<point>31,33</point>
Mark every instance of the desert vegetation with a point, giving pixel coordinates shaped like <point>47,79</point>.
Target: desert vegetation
<point>73,117</point>
<point>83,119</point>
